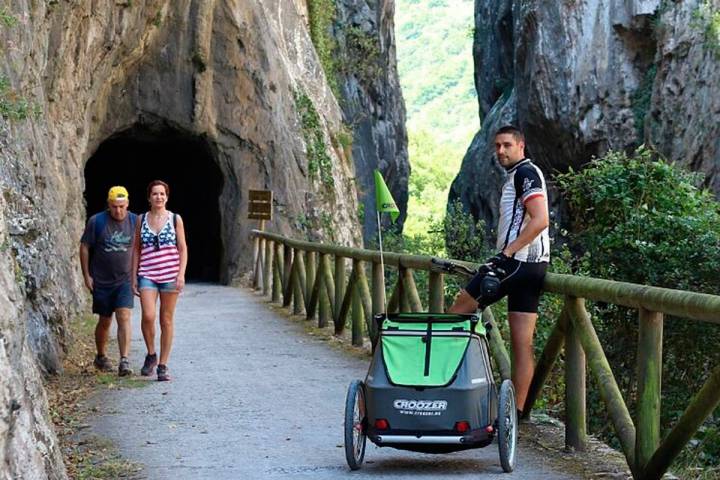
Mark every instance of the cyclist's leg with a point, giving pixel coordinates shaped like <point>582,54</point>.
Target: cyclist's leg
<point>523,299</point>
<point>522,328</point>
<point>464,303</point>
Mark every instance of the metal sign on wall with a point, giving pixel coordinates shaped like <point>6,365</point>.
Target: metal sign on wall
<point>260,205</point>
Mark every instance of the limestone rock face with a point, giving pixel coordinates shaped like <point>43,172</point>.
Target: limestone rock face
<point>28,447</point>
<point>683,119</point>
<point>242,76</point>
<point>586,77</point>
<point>372,103</point>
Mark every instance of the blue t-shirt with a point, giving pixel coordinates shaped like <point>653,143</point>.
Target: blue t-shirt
<point>111,252</point>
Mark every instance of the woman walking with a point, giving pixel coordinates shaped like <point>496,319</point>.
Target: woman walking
<point>159,261</point>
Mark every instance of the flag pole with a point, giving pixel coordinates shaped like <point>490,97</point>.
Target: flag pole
<point>382,264</point>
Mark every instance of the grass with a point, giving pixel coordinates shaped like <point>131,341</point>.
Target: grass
<point>6,18</point>
<point>102,461</point>
<point>111,380</point>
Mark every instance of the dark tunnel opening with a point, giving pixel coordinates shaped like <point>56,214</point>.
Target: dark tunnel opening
<point>136,157</point>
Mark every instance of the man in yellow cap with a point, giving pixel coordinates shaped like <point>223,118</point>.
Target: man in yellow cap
<point>106,261</point>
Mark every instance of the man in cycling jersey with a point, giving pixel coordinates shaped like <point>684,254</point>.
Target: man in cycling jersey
<point>523,247</point>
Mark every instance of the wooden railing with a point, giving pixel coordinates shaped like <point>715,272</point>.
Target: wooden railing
<point>303,273</point>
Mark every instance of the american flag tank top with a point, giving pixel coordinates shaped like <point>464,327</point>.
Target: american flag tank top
<point>159,256</point>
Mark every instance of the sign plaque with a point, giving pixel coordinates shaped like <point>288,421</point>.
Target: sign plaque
<point>260,205</point>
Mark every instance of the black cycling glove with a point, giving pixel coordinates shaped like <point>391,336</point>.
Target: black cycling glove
<point>497,260</point>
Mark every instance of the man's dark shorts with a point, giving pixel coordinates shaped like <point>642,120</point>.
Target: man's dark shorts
<point>107,299</point>
<point>522,284</point>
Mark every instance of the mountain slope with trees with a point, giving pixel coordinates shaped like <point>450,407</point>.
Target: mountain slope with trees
<point>434,53</point>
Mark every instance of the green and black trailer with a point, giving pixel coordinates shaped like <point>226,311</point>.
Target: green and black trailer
<point>430,388</point>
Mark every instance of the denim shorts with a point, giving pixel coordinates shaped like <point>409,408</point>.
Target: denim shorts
<point>107,299</point>
<point>165,287</point>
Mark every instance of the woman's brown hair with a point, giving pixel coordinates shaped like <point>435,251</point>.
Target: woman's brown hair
<point>155,183</point>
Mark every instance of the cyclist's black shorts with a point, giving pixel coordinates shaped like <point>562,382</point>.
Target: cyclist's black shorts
<point>522,284</point>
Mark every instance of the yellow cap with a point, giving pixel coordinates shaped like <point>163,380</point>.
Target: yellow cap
<point>118,193</point>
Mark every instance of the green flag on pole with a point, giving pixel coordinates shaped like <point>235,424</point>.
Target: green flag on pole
<point>383,199</point>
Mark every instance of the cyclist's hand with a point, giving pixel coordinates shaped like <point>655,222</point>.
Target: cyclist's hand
<point>497,260</point>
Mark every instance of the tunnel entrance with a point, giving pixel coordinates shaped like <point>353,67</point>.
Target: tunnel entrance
<point>138,156</point>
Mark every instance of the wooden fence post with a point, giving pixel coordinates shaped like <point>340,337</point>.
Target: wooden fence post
<point>256,252</point>
<point>403,302</point>
<point>300,282</point>
<point>649,370</point>
<point>310,283</point>
<point>701,405</point>
<point>365,298</point>
<point>436,293</point>
<point>267,273</point>
<point>413,297</point>
<point>260,278</point>
<point>600,368</point>
<point>288,265</point>
<point>328,298</point>
<point>346,303</point>
<point>324,311</point>
<point>339,287</point>
<point>357,318</point>
<point>393,305</point>
<point>575,411</point>
<point>277,285</point>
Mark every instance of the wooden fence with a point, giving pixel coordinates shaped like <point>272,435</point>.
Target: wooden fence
<point>313,278</point>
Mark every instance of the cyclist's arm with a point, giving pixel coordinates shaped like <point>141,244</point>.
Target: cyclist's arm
<point>537,209</point>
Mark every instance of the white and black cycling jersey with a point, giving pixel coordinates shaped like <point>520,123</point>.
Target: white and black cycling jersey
<point>524,181</point>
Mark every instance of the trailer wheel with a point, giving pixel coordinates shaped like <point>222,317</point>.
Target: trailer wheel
<point>507,426</point>
<point>355,424</point>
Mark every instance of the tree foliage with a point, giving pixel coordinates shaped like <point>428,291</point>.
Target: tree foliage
<point>640,219</point>
<point>436,70</point>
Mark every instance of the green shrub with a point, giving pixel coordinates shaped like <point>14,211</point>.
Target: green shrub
<point>321,17</point>
<point>629,213</point>
<point>639,219</point>
<point>363,50</point>
<point>14,106</point>
<point>319,162</point>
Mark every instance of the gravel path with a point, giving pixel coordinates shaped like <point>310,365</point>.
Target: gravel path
<point>253,396</point>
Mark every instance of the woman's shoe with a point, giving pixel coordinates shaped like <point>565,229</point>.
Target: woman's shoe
<point>163,375</point>
<point>124,367</point>
<point>150,362</point>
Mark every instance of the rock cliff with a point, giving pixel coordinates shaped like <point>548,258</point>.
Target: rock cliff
<point>584,77</point>
<point>239,80</point>
<point>372,103</point>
